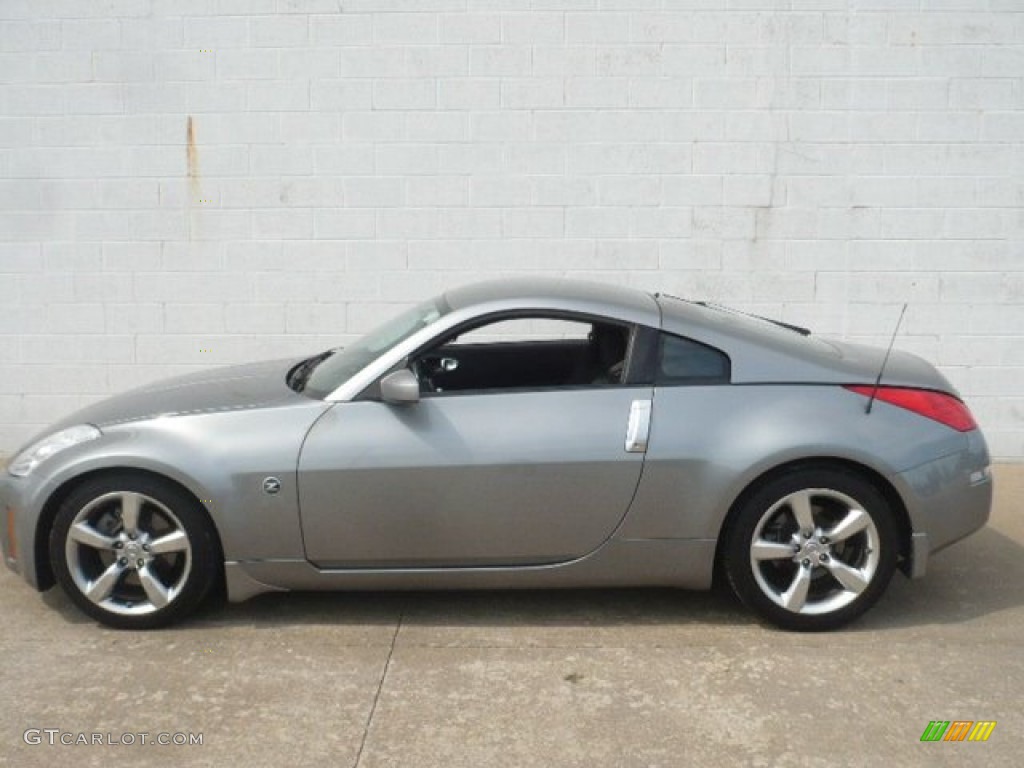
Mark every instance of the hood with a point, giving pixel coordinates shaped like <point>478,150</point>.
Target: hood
<point>236,387</point>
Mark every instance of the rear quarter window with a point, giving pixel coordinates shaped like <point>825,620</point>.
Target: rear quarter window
<point>684,361</point>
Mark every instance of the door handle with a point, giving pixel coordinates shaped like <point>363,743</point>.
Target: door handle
<point>639,427</point>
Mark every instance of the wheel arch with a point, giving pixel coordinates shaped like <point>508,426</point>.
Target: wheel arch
<point>865,472</point>
<point>40,546</point>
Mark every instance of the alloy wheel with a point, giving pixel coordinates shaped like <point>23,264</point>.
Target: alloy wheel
<point>128,553</point>
<point>814,551</point>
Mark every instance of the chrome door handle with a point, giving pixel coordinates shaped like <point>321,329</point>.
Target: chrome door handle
<point>639,427</point>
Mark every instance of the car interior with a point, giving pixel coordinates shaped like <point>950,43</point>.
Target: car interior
<point>594,357</point>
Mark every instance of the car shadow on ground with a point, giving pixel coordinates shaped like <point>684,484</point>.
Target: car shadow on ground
<point>973,579</point>
<point>470,608</point>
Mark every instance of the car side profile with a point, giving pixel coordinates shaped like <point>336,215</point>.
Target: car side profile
<point>514,433</point>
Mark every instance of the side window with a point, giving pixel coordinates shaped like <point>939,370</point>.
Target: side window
<point>682,361</point>
<point>526,352</point>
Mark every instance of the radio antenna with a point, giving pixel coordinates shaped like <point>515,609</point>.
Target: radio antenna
<point>885,360</point>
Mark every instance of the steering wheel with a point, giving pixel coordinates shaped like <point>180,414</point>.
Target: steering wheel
<point>614,373</point>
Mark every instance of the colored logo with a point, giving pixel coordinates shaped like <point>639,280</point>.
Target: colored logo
<point>958,730</point>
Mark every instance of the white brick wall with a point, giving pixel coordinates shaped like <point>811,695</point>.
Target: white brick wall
<point>821,160</point>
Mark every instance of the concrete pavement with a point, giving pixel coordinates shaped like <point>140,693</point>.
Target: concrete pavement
<point>593,678</point>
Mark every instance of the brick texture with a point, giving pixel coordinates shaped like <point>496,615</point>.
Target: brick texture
<point>823,161</point>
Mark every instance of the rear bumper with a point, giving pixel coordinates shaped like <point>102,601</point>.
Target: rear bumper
<point>947,499</point>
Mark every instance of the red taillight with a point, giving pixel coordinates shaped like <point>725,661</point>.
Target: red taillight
<point>939,406</point>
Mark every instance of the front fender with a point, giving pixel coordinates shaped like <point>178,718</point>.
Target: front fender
<point>221,458</point>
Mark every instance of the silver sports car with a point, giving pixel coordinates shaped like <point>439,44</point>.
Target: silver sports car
<point>519,433</point>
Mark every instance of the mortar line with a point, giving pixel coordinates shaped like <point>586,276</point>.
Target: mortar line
<point>376,696</point>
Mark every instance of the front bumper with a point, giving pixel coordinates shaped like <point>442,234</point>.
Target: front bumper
<point>17,533</point>
<point>9,537</point>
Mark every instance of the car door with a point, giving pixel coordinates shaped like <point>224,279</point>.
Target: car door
<point>484,477</point>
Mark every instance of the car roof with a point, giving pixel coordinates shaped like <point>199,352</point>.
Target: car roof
<point>558,294</point>
<point>761,350</point>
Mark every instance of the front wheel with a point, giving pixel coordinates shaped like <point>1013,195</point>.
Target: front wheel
<point>132,551</point>
<point>811,550</point>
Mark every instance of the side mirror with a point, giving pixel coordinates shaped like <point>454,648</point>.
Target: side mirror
<point>400,388</point>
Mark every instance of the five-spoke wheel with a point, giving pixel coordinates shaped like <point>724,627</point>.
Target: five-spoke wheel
<point>811,550</point>
<point>133,551</point>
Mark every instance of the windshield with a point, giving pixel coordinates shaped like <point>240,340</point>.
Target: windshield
<point>334,370</point>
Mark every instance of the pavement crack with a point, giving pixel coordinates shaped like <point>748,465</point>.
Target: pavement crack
<point>376,696</point>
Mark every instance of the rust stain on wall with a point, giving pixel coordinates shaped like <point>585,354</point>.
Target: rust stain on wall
<point>192,157</point>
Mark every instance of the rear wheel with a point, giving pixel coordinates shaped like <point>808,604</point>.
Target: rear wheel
<point>811,550</point>
<point>132,551</point>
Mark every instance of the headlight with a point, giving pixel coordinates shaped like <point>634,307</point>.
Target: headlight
<point>39,452</point>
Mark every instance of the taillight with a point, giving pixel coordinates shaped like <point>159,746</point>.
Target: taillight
<point>938,406</point>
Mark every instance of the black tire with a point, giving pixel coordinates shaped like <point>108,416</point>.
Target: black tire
<point>792,580</point>
<point>142,576</point>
